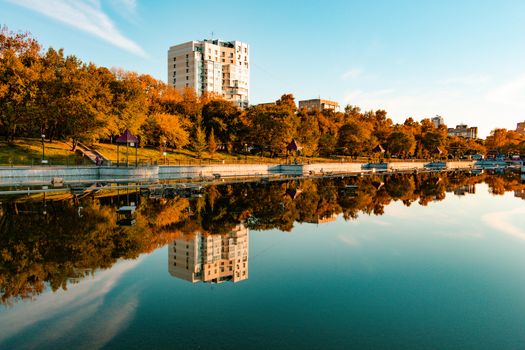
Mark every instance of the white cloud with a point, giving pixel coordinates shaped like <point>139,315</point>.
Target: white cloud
<point>125,8</point>
<point>86,15</point>
<point>351,74</point>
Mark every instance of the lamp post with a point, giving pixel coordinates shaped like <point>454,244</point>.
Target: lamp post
<point>43,148</point>
<point>164,153</point>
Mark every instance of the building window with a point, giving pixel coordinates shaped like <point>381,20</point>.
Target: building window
<point>174,59</point>
<point>174,66</point>
<point>187,70</point>
<point>223,60</point>
<point>187,78</point>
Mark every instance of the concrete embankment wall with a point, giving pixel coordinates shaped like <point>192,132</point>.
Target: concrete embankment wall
<point>14,175</point>
<point>170,172</point>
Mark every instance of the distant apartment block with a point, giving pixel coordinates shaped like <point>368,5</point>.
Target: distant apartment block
<point>463,190</point>
<point>520,127</point>
<point>322,219</point>
<point>210,258</point>
<point>212,66</point>
<point>319,104</point>
<point>463,130</point>
<point>438,120</point>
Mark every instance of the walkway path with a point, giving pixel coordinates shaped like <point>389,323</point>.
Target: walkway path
<point>91,154</point>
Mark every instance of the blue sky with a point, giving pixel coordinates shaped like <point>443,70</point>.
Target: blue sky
<point>463,60</point>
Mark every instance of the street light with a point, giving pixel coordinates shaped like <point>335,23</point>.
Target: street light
<point>43,148</point>
<point>165,153</point>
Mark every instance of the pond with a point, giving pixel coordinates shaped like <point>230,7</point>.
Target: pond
<point>401,261</point>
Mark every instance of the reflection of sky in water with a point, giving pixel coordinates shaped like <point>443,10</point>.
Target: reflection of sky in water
<point>448,275</point>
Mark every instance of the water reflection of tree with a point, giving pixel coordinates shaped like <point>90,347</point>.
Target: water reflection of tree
<point>38,250</point>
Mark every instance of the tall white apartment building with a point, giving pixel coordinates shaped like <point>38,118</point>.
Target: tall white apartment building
<point>212,66</point>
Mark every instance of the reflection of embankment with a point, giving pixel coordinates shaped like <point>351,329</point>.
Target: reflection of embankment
<point>210,258</point>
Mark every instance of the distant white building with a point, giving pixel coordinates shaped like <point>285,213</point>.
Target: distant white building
<point>463,130</point>
<point>438,120</point>
<point>319,105</point>
<point>212,66</point>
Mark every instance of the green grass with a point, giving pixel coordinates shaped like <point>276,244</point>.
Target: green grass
<point>29,152</point>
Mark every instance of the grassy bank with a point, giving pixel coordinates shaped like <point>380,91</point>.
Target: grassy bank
<point>29,152</point>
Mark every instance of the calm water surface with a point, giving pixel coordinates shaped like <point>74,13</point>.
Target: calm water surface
<point>433,261</point>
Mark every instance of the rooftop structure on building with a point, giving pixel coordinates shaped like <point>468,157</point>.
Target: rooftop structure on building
<point>212,66</point>
<point>438,120</point>
<point>210,258</point>
<point>462,130</point>
<point>520,127</point>
<point>319,105</point>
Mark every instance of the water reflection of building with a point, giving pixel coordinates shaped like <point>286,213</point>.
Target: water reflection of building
<point>519,194</point>
<point>463,190</point>
<point>322,219</point>
<point>211,258</point>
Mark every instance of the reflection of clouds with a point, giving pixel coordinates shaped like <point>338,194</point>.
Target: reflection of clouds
<point>86,313</point>
<point>381,223</point>
<point>501,221</point>
<point>349,240</point>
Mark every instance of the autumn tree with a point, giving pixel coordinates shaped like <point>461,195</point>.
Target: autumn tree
<point>272,127</point>
<point>224,118</point>
<point>308,133</point>
<point>19,61</point>
<point>199,141</point>
<point>212,144</point>
<point>401,142</point>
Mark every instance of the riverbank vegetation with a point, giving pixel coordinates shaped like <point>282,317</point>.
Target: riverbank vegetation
<point>45,92</point>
